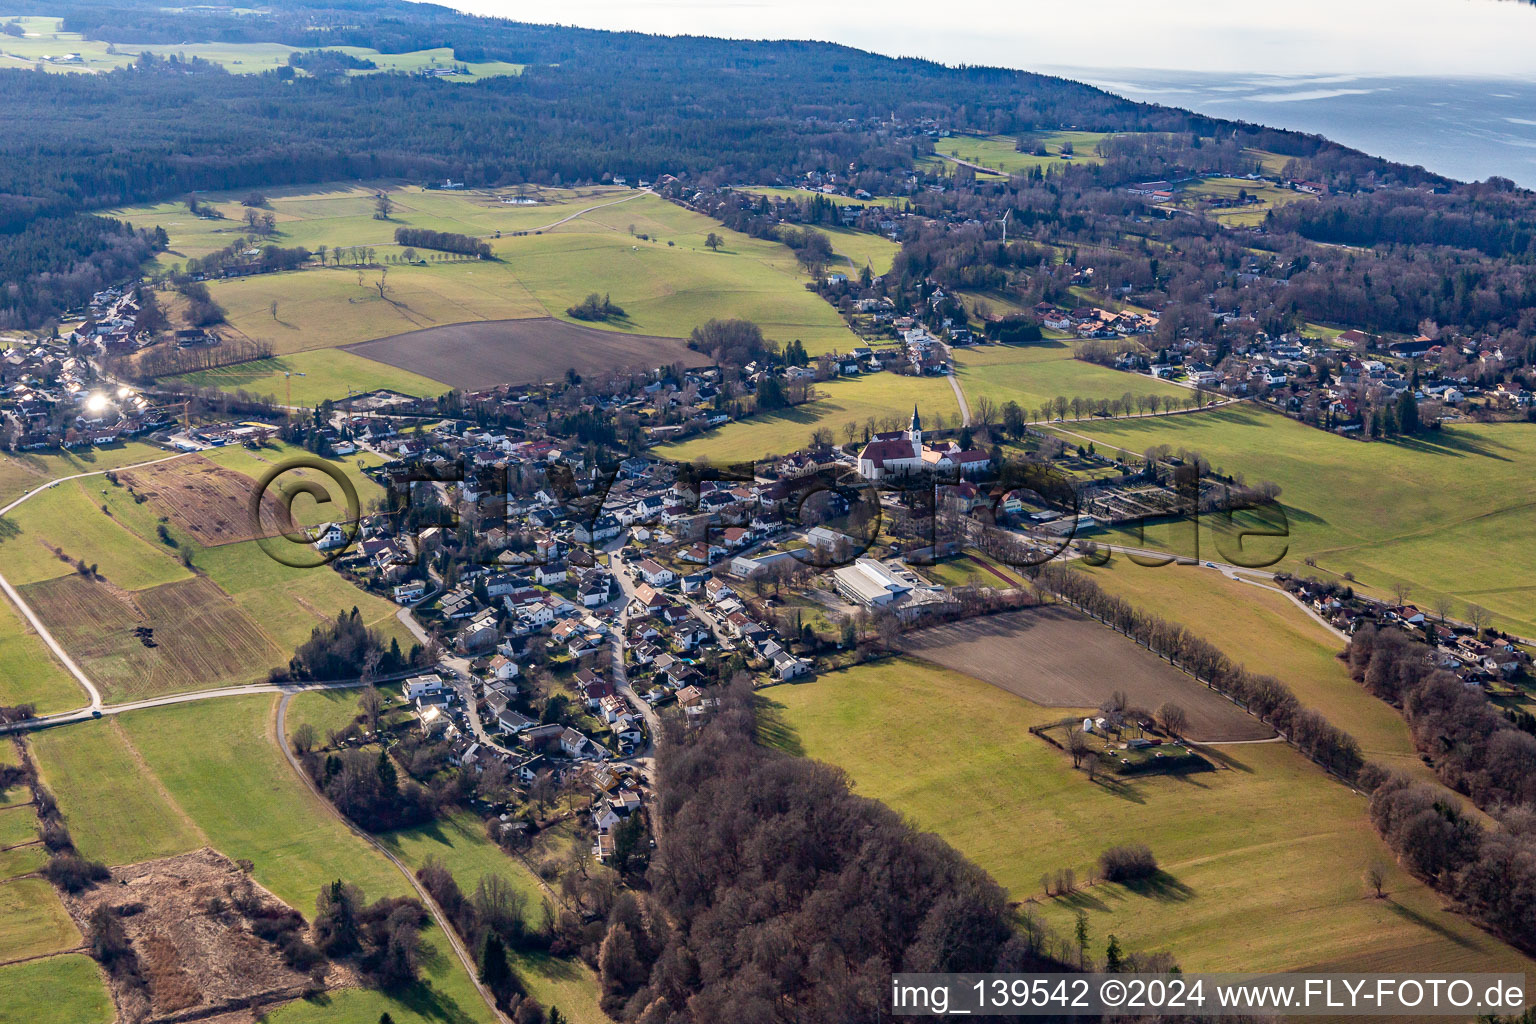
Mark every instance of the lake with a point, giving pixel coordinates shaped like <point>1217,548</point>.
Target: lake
<point>1448,84</point>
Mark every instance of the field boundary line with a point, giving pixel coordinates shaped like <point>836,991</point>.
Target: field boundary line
<point>279,736</point>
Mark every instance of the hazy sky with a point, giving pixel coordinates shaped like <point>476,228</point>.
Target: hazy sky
<point>1310,37</point>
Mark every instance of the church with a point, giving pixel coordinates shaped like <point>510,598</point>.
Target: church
<point>903,453</point>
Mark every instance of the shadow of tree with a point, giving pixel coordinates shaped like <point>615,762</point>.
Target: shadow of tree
<point>1161,886</point>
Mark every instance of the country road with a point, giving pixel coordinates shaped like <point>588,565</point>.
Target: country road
<point>26,609</point>
<point>278,736</point>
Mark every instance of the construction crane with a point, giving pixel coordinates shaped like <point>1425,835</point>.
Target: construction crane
<point>288,376</point>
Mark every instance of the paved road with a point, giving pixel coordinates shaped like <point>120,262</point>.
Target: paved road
<point>26,609</point>
<point>965,407</point>
<point>410,876</point>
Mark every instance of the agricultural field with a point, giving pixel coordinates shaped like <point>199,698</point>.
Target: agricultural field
<point>232,616</point>
<point>1267,838</point>
<point>477,355</point>
<point>21,472</point>
<point>1219,198</point>
<point>306,379</point>
<point>1073,662</point>
<point>861,249</point>
<point>56,990</point>
<point>549,256</point>
<point>45,38</point>
<point>1264,629</point>
<point>199,638</point>
<point>134,789</point>
<point>32,920</point>
<point>1000,152</point>
<point>1035,373</point>
<point>28,672</point>
<point>1445,513</point>
<point>882,396</point>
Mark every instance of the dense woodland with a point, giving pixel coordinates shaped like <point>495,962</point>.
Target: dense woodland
<point>778,895</point>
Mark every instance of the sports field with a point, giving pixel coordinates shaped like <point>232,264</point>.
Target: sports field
<point>887,397</point>
<point>45,38</point>
<point>1267,839</point>
<point>1035,373</point>
<point>1447,512</point>
<point>1263,629</point>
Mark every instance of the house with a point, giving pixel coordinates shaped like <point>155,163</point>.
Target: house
<point>503,668</point>
<point>656,574</point>
<point>554,572</point>
<point>410,591</point>
<point>330,537</point>
<point>574,744</point>
<point>423,685</point>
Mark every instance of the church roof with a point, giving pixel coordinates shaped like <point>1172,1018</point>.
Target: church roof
<point>877,452</point>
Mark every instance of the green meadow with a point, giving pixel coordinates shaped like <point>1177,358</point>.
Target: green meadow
<point>21,472</point>
<point>57,990</point>
<point>28,672</point>
<point>1035,373</point>
<point>1267,838</point>
<point>136,788</point>
<point>1264,629</point>
<point>1226,190</point>
<point>46,38</point>
<point>309,378</point>
<point>1446,513</point>
<point>883,396</point>
<point>1001,153</point>
<point>32,920</point>
<point>644,252</point>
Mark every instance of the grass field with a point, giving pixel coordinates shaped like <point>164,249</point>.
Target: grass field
<point>1000,152</point>
<point>1264,630</point>
<point>22,471</point>
<point>116,810</point>
<point>45,38</point>
<point>58,990</point>
<point>23,860</point>
<point>1035,373</point>
<point>667,282</point>
<point>881,395</point>
<point>136,788</point>
<point>28,672</point>
<point>32,920</point>
<point>1270,840</point>
<point>313,377</point>
<point>17,825</point>
<point>240,614</point>
<point>1226,191</point>
<point>1446,512</point>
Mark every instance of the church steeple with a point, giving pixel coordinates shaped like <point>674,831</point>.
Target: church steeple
<point>915,433</point>
<point>917,423</point>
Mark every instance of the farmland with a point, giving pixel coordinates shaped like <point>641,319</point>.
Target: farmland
<point>200,637</point>
<point>1264,629</point>
<point>645,252</point>
<point>1220,198</point>
<point>883,396</point>
<point>23,471</point>
<point>477,355</point>
<point>57,990</point>
<point>45,37</point>
<point>1035,373</point>
<point>237,615</point>
<point>1056,657</point>
<point>1272,839</point>
<point>309,378</point>
<point>32,920</point>
<point>1445,512</point>
<point>28,672</point>
<point>1001,153</point>
<point>232,791</point>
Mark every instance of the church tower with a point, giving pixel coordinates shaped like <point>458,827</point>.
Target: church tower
<point>915,433</point>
